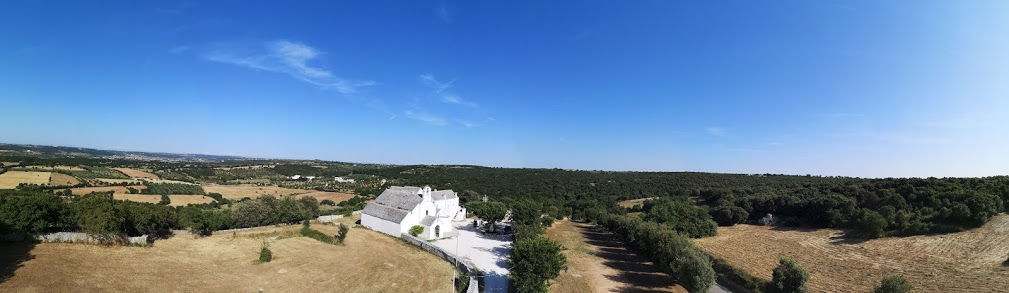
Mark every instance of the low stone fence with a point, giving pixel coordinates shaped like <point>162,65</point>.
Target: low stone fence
<point>76,237</point>
<point>460,263</point>
<point>329,219</point>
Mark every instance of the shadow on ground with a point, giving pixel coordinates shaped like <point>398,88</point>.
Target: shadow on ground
<point>12,256</point>
<point>636,273</point>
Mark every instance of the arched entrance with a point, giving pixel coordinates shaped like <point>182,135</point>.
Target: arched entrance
<point>437,231</point>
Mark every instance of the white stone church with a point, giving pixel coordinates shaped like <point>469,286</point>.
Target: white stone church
<point>401,207</point>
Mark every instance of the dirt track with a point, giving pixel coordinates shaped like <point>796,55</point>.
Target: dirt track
<point>598,262</point>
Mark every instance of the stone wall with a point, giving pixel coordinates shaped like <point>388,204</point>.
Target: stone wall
<point>76,237</point>
<point>461,264</point>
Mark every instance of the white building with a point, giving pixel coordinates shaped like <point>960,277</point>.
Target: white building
<point>343,180</point>
<point>399,208</point>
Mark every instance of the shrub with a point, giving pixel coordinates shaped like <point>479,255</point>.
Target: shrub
<point>534,262</point>
<point>893,284</point>
<point>315,234</point>
<point>165,200</point>
<point>343,233</point>
<point>788,277</point>
<point>416,230</point>
<point>729,215</point>
<point>327,202</point>
<point>265,255</point>
<point>870,224</point>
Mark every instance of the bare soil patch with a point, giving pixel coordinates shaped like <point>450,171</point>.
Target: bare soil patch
<point>60,179</point>
<point>970,261</point>
<point>134,173</point>
<point>368,262</point>
<point>11,179</point>
<point>598,262</point>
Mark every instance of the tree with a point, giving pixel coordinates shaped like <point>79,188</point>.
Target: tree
<point>492,212</point>
<point>97,215</point>
<point>416,230</point>
<point>788,277</point>
<point>342,234</point>
<point>30,212</point>
<point>694,271</point>
<point>893,284</point>
<point>534,262</point>
<point>165,200</point>
<point>870,224</point>
<point>727,215</point>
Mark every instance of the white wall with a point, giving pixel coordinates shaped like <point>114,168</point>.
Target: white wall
<point>381,225</point>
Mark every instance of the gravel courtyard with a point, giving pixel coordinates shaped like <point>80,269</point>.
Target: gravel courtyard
<point>488,253</point>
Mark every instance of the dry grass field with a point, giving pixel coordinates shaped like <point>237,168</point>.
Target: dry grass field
<point>251,191</point>
<point>115,189</point>
<point>134,173</point>
<point>633,202</point>
<point>598,262</point>
<point>8,164</point>
<point>60,179</point>
<point>245,167</point>
<point>176,199</point>
<point>117,181</point>
<point>970,261</point>
<point>368,262</point>
<point>336,197</point>
<point>11,179</point>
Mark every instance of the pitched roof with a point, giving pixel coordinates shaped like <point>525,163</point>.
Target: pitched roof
<point>427,221</point>
<point>394,203</point>
<point>443,194</point>
<point>386,213</point>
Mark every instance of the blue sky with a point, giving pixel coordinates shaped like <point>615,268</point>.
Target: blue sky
<point>857,88</point>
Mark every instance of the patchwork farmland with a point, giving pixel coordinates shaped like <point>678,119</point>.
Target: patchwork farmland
<point>11,179</point>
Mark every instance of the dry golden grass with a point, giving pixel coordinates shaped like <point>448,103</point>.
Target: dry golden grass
<point>251,191</point>
<point>117,181</point>
<point>633,202</point>
<point>48,168</point>
<point>115,189</point>
<point>969,261</point>
<point>11,179</point>
<point>598,262</point>
<point>8,164</point>
<point>60,179</point>
<point>336,197</point>
<point>368,262</point>
<point>176,199</point>
<point>134,173</point>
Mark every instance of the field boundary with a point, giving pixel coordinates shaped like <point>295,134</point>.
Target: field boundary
<point>75,237</point>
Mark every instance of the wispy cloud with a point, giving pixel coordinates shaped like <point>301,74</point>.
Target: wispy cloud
<point>454,99</point>
<point>293,59</point>
<point>431,82</point>
<point>426,117</point>
<point>466,124</point>
<point>716,131</point>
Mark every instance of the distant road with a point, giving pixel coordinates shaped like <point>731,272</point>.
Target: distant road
<point>718,288</point>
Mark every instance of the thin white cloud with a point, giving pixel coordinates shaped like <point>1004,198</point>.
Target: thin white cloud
<point>433,83</point>
<point>454,99</point>
<point>716,131</point>
<point>426,117</point>
<point>293,59</point>
<point>467,124</point>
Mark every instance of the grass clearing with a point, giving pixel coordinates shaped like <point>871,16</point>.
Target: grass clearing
<point>53,168</point>
<point>336,197</point>
<point>969,261</point>
<point>60,179</point>
<point>633,202</point>
<point>134,173</point>
<point>11,179</point>
<point>367,262</point>
<point>598,262</point>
